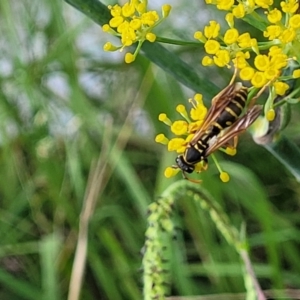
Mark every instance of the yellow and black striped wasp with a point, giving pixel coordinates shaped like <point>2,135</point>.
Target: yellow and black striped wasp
<point>224,113</point>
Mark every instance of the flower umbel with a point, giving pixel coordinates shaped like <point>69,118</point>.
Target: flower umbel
<point>133,24</point>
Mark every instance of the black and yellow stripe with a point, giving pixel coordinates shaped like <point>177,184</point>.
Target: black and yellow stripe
<point>231,112</point>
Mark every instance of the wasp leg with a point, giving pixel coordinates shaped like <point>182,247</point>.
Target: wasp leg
<point>189,179</point>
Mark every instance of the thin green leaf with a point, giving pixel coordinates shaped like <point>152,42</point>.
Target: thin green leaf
<point>287,153</point>
<point>19,287</point>
<point>49,249</point>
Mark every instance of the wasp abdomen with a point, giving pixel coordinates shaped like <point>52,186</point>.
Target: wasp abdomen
<point>231,113</point>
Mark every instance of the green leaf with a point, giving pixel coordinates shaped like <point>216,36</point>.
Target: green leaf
<point>287,153</point>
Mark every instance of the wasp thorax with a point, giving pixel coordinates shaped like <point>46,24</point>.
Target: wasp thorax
<point>183,165</point>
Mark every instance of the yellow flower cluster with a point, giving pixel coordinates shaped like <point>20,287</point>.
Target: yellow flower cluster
<point>133,23</point>
<point>183,129</point>
<point>260,63</point>
<point>267,67</point>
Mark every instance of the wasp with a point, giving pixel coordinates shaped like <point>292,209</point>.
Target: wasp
<point>224,113</point>
<point>215,142</point>
<point>225,109</point>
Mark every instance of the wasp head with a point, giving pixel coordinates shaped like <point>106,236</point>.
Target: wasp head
<point>183,165</point>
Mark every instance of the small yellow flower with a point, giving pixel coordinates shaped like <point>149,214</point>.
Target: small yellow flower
<point>231,36</point>
<point>296,73</point>
<point>230,151</point>
<point>271,73</point>
<point>198,35</point>
<point>212,46</point>
<point>129,58</point>
<point>239,11</point>
<point>106,28</point>
<point>149,18</point>
<point>135,24</point>
<point>247,73</point>
<point>128,9</point>
<point>179,127</point>
<point>294,21</point>
<point>116,21</point>
<point>290,6</point>
<point>170,172</point>
<point>261,62</point>
<point>274,16</point>
<point>166,8</point>
<point>258,80</point>
<point>177,144</point>
<point>151,37</point>
<point>230,20</point>
<point>240,60</point>
<point>270,116</point>
<point>182,110</point>
<point>198,113</point>
<point>280,87</point>
<point>115,10</point>
<point>273,32</point>
<point>222,58</point>
<point>128,37</point>
<point>244,40</point>
<point>162,139</point>
<point>288,35</point>
<point>225,4</point>
<point>274,51</point>
<point>207,61</point>
<point>198,98</point>
<point>110,47</point>
<point>224,176</point>
<point>163,118</point>
<point>264,3</point>
<point>194,126</point>
<point>279,61</point>
<point>212,30</point>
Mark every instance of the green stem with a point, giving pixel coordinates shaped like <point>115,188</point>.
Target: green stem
<point>177,42</point>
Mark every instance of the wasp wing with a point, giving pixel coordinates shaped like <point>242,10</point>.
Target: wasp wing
<point>235,129</point>
<point>218,104</point>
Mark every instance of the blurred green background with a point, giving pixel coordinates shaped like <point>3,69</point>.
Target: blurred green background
<point>77,128</point>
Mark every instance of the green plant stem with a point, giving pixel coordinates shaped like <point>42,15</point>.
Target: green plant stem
<point>177,42</point>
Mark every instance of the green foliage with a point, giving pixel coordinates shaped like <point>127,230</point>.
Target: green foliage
<point>79,168</point>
